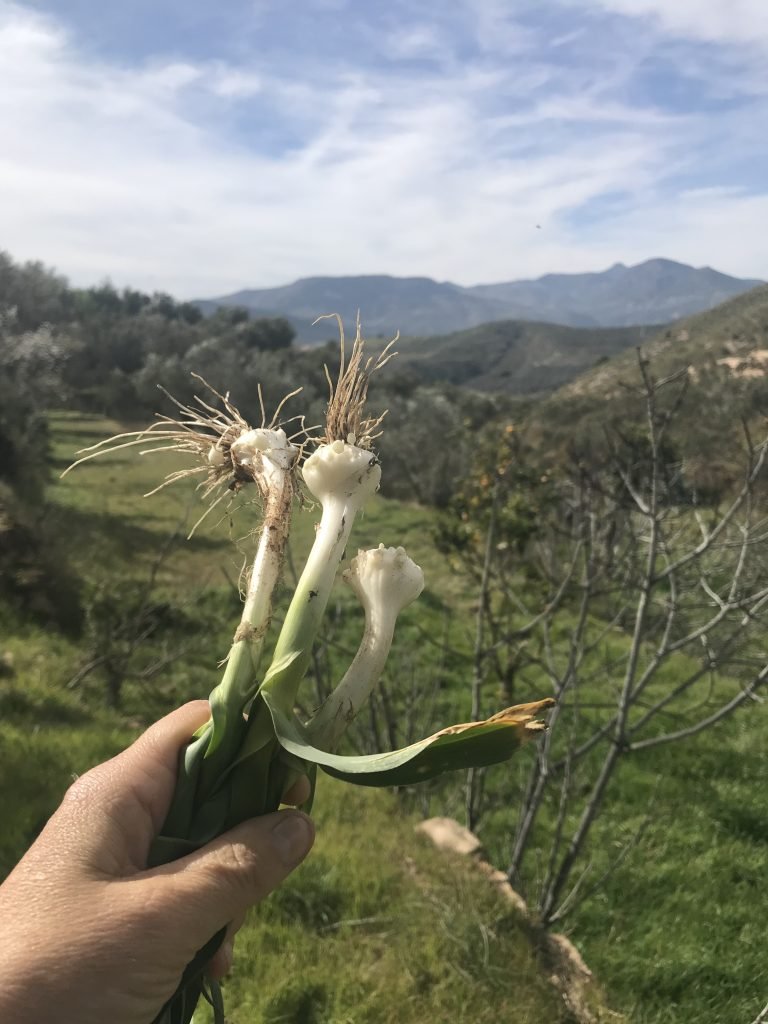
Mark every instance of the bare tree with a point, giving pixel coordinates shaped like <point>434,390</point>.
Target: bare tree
<point>123,619</point>
<point>650,630</point>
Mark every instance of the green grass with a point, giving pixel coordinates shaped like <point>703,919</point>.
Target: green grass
<point>677,931</point>
<point>378,928</point>
<point>675,934</point>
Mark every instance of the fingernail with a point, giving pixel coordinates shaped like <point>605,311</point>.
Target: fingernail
<point>292,837</point>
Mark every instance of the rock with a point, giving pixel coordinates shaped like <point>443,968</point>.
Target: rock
<point>568,955</point>
<point>447,834</point>
<point>501,884</point>
<point>563,963</point>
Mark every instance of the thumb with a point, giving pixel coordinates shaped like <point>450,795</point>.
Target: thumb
<point>205,890</point>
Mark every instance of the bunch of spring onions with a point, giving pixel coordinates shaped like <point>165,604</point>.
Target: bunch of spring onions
<point>254,746</point>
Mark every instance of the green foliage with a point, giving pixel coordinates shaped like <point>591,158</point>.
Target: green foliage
<point>35,574</point>
<point>131,632</point>
<point>30,377</point>
<point>430,437</point>
<point>107,339</point>
<point>33,293</point>
<point>506,483</point>
<point>33,567</point>
<point>647,840</point>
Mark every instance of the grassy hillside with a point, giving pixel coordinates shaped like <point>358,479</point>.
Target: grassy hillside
<point>514,356</point>
<point>737,328</point>
<point>376,927</point>
<point>722,357</point>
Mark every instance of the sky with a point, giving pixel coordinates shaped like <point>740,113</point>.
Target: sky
<point>202,146</point>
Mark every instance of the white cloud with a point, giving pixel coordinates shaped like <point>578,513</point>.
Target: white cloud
<point>694,225</point>
<point>419,40</point>
<point>739,21</point>
<point>233,83</point>
<point>133,171</point>
<point>170,78</point>
<point>497,27</point>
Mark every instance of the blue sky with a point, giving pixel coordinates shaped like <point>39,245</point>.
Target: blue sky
<point>197,146</point>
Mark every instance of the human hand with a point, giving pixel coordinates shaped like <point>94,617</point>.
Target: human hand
<point>88,934</point>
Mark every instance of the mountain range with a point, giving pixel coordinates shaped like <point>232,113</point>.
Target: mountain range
<point>654,292</point>
<point>523,357</point>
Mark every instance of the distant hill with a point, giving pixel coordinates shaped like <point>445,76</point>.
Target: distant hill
<point>411,305</point>
<point>724,353</point>
<point>523,357</point>
<point>514,356</point>
<point>655,292</point>
<point>730,340</point>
